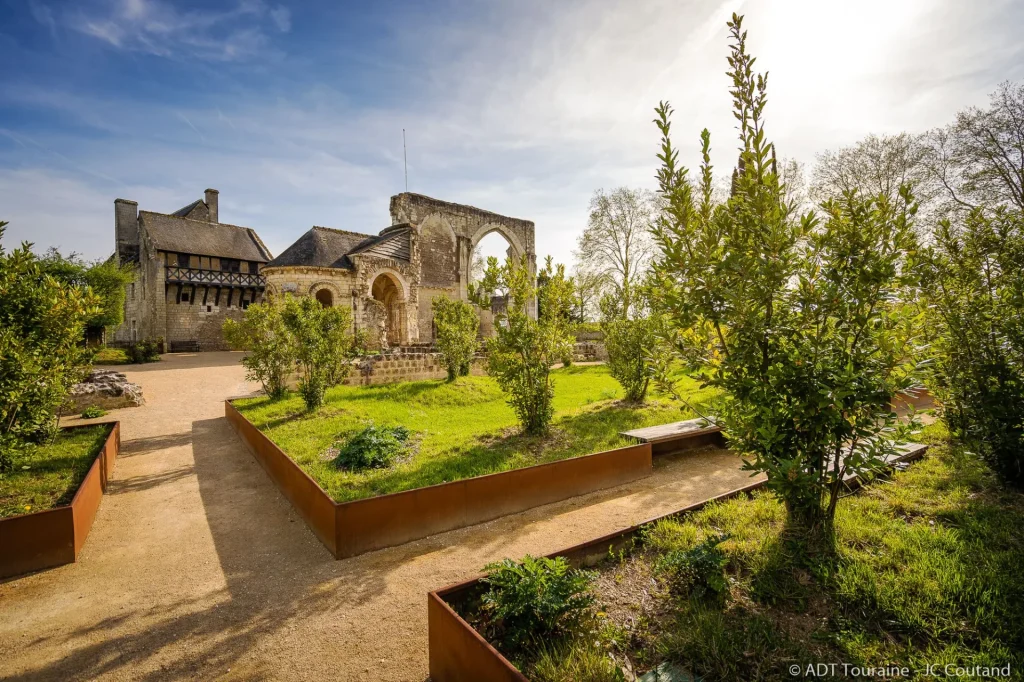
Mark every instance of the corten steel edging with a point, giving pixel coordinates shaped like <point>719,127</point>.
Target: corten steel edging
<point>54,537</point>
<point>684,443</point>
<point>311,501</point>
<point>351,528</point>
<point>458,652</point>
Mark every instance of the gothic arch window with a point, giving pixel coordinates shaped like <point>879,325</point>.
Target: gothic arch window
<point>325,297</point>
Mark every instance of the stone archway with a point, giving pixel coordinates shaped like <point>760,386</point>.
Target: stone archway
<point>387,291</point>
<point>325,297</point>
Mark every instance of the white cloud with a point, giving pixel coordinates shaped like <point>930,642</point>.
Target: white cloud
<point>282,17</point>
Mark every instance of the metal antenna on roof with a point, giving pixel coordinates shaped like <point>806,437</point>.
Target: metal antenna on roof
<point>405,158</point>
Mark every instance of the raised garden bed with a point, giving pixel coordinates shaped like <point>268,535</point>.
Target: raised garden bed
<point>459,652</point>
<point>53,537</point>
<point>351,528</point>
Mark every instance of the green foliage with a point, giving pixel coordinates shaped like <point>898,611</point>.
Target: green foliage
<point>105,278</point>
<point>93,412</point>
<point>42,321</point>
<point>375,447</point>
<point>141,352</point>
<point>975,287</point>
<point>538,600</point>
<point>698,571</point>
<point>796,318</point>
<point>322,339</point>
<point>575,662</point>
<point>457,325</point>
<point>270,345</point>
<point>523,350</point>
<point>630,345</point>
<point>110,356</point>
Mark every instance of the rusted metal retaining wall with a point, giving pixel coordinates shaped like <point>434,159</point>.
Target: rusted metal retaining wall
<point>458,652</point>
<point>53,537</point>
<point>351,528</point>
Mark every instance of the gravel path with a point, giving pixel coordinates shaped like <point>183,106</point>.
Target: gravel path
<point>196,568</point>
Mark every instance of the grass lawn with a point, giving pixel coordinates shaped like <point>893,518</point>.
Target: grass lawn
<point>927,571</point>
<point>460,430</point>
<point>54,472</point>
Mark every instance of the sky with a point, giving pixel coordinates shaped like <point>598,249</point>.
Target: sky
<point>295,110</point>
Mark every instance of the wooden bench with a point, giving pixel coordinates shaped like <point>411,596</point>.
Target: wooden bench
<point>678,436</point>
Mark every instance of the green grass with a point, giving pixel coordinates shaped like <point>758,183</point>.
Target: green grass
<point>48,475</point>
<point>111,356</point>
<point>460,429</point>
<point>926,571</point>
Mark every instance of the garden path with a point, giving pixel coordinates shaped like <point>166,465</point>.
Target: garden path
<point>197,568</point>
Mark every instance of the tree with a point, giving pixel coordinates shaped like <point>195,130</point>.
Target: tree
<point>457,326</point>
<point>106,278</point>
<point>979,159</point>
<point>270,345</point>
<point>322,339</point>
<point>42,321</point>
<point>975,290</point>
<point>522,352</point>
<point>793,317</point>
<point>616,242</point>
<point>874,166</point>
<point>588,287</point>
<point>630,344</point>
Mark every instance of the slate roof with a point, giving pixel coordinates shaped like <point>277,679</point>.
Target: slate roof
<point>182,235</point>
<point>183,212</point>
<point>325,247</point>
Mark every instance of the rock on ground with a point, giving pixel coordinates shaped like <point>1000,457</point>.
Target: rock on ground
<point>106,389</point>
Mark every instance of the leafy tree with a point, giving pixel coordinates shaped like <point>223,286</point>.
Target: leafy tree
<point>588,286</point>
<point>975,288</point>
<point>322,338</point>
<point>630,344</point>
<point>523,350</point>
<point>457,326</point>
<point>616,242</point>
<point>106,278</point>
<point>794,317</point>
<point>42,321</point>
<point>272,353</point>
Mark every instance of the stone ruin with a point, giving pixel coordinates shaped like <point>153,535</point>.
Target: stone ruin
<point>106,389</point>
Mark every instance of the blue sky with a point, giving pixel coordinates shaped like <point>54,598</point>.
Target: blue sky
<point>295,110</point>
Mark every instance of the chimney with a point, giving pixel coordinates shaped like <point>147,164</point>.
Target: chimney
<point>211,205</point>
<point>126,230</point>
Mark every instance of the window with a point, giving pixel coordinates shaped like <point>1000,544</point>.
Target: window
<point>182,260</point>
<point>230,265</point>
<point>131,289</point>
<point>184,297</point>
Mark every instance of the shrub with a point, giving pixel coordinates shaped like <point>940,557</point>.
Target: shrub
<point>698,571</point>
<point>457,325</point>
<point>93,412</point>
<point>375,447</point>
<point>110,356</point>
<point>271,356</point>
<point>537,600</point>
<point>630,344</point>
<point>142,352</point>
<point>975,283</point>
<point>521,354</point>
<point>322,338</point>
<point>796,318</point>
<point>42,322</point>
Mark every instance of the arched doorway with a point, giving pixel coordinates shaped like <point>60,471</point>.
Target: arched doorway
<point>325,297</point>
<point>388,293</point>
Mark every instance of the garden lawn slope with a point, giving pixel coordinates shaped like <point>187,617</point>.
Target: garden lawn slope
<point>460,429</point>
<point>50,474</point>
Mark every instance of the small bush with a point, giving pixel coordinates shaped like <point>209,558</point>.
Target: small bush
<point>110,356</point>
<point>538,600</point>
<point>142,352</point>
<point>375,447</point>
<point>630,345</point>
<point>93,412</point>
<point>697,572</point>
<point>457,325</point>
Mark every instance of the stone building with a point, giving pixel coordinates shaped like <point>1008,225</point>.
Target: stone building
<point>389,279</point>
<point>194,272</point>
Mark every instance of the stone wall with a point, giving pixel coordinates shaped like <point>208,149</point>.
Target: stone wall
<point>193,323</point>
<point>395,367</point>
<point>590,351</point>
